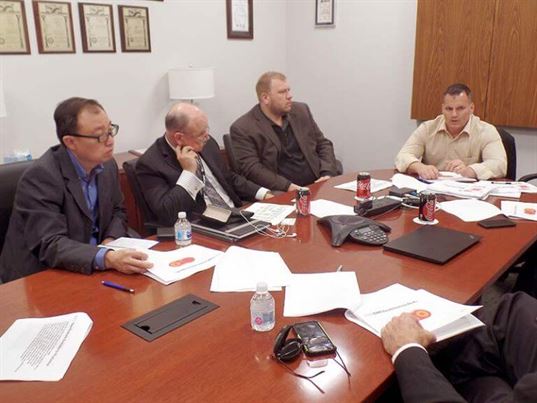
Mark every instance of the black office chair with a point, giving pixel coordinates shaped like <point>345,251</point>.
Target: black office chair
<point>9,178</point>
<point>510,149</point>
<point>231,158</point>
<point>150,222</point>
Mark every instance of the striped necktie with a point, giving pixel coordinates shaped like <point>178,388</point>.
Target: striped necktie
<point>211,193</point>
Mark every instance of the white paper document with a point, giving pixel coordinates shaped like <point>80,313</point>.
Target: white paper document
<point>476,190</point>
<point>407,181</point>
<point>453,176</point>
<point>308,294</point>
<point>436,314</point>
<point>527,211</point>
<point>470,210</point>
<point>272,213</point>
<point>133,243</point>
<point>322,208</point>
<point>41,349</point>
<point>376,185</point>
<point>240,269</point>
<point>169,267</point>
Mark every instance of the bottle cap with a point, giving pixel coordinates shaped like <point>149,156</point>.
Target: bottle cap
<point>181,214</point>
<point>261,287</point>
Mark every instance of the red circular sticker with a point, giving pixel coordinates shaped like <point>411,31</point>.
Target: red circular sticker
<point>180,262</point>
<point>420,314</point>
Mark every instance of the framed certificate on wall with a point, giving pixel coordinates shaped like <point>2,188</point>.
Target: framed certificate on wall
<point>240,19</point>
<point>54,27</point>
<point>97,26</point>
<point>134,29</point>
<point>13,28</point>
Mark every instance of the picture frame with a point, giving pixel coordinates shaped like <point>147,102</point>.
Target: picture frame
<point>324,12</point>
<point>13,28</point>
<point>97,28</point>
<point>240,19</point>
<point>134,29</point>
<point>54,27</point>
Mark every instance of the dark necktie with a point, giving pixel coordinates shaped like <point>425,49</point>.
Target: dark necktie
<point>213,196</point>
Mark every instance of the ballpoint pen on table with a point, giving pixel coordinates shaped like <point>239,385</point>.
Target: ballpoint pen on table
<point>117,286</point>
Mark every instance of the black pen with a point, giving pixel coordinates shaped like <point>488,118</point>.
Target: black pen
<point>501,183</point>
<point>117,286</point>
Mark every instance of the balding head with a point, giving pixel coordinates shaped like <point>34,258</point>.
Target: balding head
<point>186,124</point>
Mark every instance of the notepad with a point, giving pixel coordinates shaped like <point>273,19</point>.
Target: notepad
<point>433,244</point>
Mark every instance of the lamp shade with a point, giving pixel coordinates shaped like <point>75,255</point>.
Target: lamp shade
<point>191,83</point>
<point>3,112</point>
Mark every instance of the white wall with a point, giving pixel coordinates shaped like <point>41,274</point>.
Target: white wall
<point>357,78</point>
<point>133,87</point>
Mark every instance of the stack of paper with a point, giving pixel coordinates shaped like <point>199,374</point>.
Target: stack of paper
<point>41,349</point>
<point>407,181</point>
<point>376,185</point>
<point>308,294</point>
<point>448,175</point>
<point>169,267</point>
<point>477,190</point>
<point>438,315</point>
<point>133,243</point>
<point>470,210</point>
<point>527,211</point>
<point>322,208</point>
<point>268,212</point>
<point>240,269</point>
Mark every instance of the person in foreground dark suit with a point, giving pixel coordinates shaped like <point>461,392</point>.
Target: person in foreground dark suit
<point>277,143</point>
<point>184,170</point>
<point>497,363</point>
<point>69,201</point>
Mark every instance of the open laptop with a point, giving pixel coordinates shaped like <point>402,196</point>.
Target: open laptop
<point>433,244</point>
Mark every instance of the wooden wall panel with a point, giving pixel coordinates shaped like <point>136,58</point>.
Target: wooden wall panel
<point>453,42</point>
<point>512,92</point>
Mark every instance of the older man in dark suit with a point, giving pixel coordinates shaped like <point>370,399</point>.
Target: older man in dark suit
<point>493,364</point>
<point>277,143</point>
<point>69,201</point>
<point>184,170</point>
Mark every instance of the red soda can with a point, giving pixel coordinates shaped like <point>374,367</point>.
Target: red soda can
<point>303,201</point>
<point>427,206</point>
<point>363,185</point>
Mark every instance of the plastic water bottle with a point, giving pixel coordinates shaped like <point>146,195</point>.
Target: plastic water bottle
<point>262,309</point>
<point>183,230</point>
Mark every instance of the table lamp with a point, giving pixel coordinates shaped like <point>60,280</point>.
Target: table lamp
<point>190,83</point>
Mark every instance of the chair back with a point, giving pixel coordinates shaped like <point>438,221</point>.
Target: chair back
<point>231,158</point>
<point>147,216</point>
<point>9,179</point>
<point>510,149</point>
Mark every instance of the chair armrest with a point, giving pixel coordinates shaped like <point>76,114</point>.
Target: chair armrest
<point>527,178</point>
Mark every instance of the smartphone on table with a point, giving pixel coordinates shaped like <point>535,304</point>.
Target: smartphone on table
<point>314,339</point>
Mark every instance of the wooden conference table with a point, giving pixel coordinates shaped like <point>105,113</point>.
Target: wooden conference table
<point>218,357</point>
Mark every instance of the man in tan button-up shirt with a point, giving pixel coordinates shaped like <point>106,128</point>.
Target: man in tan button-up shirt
<point>455,141</point>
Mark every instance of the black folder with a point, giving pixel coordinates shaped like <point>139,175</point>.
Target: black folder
<point>433,244</point>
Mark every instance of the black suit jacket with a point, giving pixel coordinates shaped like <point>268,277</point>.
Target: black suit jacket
<point>158,170</point>
<point>257,147</point>
<point>51,224</point>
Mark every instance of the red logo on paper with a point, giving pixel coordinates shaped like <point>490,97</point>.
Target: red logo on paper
<point>258,320</point>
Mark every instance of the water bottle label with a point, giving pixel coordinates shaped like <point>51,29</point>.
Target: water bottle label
<point>263,317</point>
<point>184,235</point>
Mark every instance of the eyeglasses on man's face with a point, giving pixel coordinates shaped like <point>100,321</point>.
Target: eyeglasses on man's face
<point>101,138</point>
